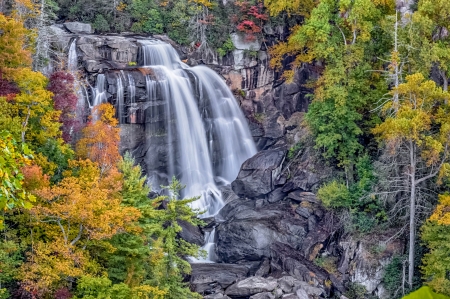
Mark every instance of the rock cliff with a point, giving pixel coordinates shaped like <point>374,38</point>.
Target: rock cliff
<point>272,231</point>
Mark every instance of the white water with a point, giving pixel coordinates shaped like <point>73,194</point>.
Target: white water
<point>99,91</point>
<point>209,247</point>
<point>79,88</point>
<point>228,124</point>
<point>131,89</point>
<point>207,137</point>
<point>120,96</point>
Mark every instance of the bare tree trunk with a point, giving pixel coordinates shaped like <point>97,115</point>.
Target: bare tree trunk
<point>396,70</point>
<point>412,214</point>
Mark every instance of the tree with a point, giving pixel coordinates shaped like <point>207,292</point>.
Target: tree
<point>295,7</point>
<point>62,86</point>
<point>82,210</point>
<point>12,40</point>
<point>419,132</point>
<point>13,158</point>
<point>100,141</point>
<point>436,235</point>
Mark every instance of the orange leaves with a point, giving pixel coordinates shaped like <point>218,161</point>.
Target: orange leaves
<point>34,178</point>
<point>12,39</point>
<point>90,202</point>
<point>101,139</point>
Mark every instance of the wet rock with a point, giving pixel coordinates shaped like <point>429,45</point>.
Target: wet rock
<point>251,286</point>
<point>257,174</point>
<point>276,195</point>
<point>78,28</point>
<point>300,196</point>
<point>206,276</point>
<point>191,233</point>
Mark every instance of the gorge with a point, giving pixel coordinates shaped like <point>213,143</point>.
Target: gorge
<point>263,221</point>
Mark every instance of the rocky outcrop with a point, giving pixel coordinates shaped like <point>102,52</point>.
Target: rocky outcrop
<point>78,28</point>
<point>257,175</point>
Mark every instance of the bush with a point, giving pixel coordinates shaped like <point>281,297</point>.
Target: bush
<point>101,24</point>
<point>335,195</point>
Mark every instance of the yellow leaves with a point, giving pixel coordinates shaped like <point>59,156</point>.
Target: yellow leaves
<point>206,3</point>
<point>295,7</point>
<point>442,212</point>
<point>121,7</point>
<point>12,40</point>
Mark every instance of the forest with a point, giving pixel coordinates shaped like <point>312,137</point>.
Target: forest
<point>77,220</point>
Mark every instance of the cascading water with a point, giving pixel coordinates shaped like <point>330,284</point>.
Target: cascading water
<point>131,89</point>
<point>194,128</point>
<point>226,140</point>
<point>119,99</point>
<point>228,125</point>
<point>99,91</point>
<point>209,247</point>
<point>72,67</point>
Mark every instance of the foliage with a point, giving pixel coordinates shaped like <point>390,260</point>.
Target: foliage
<point>227,47</point>
<point>13,157</point>
<point>100,23</point>
<point>425,292</point>
<point>12,40</point>
<point>100,141</point>
<point>62,86</point>
<point>355,291</point>
<point>392,277</point>
<point>435,234</point>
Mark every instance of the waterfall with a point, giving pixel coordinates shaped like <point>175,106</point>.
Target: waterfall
<point>228,125</point>
<point>209,247</point>
<point>72,67</point>
<point>131,89</point>
<point>119,99</point>
<point>99,91</point>
<point>194,128</point>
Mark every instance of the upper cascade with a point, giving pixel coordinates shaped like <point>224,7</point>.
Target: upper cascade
<point>194,128</point>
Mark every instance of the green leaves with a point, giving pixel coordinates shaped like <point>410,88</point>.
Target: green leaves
<point>12,158</point>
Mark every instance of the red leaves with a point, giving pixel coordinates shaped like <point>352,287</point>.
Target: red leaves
<point>251,20</point>
<point>65,100</point>
<point>8,89</point>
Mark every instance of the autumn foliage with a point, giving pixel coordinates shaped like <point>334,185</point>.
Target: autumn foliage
<point>100,141</point>
<point>62,86</point>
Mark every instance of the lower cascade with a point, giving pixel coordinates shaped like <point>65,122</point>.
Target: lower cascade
<point>194,129</point>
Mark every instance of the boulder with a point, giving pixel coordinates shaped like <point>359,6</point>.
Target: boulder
<point>59,37</point>
<point>287,259</point>
<point>251,286</point>
<point>216,296</point>
<point>191,233</point>
<point>207,276</point>
<point>257,174</point>
<point>250,229</point>
<point>290,296</point>
<point>265,295</point>
<point>78,28</point>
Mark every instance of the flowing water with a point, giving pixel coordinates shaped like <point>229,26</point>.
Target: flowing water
<point>99,91</point>
<point>119,98</point>
<point>72,67</point>
<point>194,127</point>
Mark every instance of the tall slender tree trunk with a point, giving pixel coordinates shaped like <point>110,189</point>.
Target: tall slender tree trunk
<point>412,214</point>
